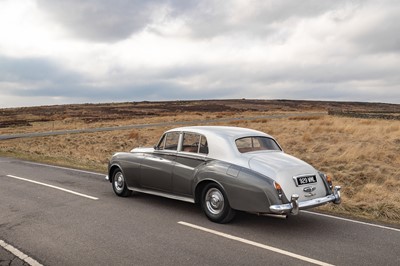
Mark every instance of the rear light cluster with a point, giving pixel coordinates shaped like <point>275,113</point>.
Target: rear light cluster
<point>328,179</point>
<point>278,189</point>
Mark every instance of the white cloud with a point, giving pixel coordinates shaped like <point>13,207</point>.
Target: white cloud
<point>25,30</point>
<point>76,51</point>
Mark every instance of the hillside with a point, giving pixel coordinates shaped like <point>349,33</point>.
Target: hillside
<point>90,113</point>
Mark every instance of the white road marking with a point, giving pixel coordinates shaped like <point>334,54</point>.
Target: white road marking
<point>55,187</point>
<point>64,168</point>
<point>252,243</point>
<point>353,221</point>
<point>19,254</point>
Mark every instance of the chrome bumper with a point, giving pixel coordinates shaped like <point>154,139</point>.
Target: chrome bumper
<point>294,206</point>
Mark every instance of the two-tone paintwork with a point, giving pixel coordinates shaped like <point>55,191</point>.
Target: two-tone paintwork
<point>247,178</point>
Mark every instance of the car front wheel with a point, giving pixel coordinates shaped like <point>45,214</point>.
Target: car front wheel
<point>215,204</point>
<point>119,184</point>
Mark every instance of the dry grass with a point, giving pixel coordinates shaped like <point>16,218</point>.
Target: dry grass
<point>362,155</point>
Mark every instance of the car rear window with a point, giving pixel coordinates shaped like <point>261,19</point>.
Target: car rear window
<point>249,144</point>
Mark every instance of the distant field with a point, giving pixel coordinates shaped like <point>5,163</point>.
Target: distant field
<point>362,154</point>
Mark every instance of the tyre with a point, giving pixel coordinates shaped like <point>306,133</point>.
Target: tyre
<point>119,184</point>
<point>215,204</point>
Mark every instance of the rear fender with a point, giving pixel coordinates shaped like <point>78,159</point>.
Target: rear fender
<point>246,190</point>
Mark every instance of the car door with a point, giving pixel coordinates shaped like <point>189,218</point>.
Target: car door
<point>157,167</point>
<point>192,154</point>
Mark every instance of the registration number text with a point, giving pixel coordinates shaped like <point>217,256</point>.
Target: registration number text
<point>306,180</point>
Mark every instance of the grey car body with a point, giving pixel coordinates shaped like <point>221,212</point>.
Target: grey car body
<point>224,169</point>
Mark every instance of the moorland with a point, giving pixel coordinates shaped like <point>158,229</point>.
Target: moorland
<point>357,143</point>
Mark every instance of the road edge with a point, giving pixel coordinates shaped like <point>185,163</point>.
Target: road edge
<point>19,254</point>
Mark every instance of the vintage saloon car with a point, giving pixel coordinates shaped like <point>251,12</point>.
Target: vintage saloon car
<point>224,169</point>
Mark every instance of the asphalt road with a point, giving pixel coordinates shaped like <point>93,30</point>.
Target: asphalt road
<point>169,123</point>
<point>54,225</point>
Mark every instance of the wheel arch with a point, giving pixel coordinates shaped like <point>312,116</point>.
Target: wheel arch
<point>112,169</point>
<point>201,185</point>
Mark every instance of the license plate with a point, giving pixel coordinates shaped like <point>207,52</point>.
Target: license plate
<point>304,180</point>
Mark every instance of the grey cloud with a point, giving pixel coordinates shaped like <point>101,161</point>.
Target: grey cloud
<point>352,79</point>
<point>99,20</point>
<point>338,92</point>
<point>108,21</point>
<point>34,70</point>
<point>382,37</point>
<point>205,81</point>
<point>215,18</point>
<point>28,79</point>
<point>153,90</point>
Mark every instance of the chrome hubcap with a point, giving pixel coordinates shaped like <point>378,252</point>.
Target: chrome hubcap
<point>214,201</point>
<point>119,182</point>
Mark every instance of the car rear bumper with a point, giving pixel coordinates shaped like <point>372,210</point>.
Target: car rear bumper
<point>294,206</point>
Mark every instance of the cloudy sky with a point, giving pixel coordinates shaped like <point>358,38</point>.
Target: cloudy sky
<point>78,51</point>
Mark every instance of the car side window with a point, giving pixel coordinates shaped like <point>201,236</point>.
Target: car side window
<point>169,141</point>
<point>203,145</point>
<point>195,143</point>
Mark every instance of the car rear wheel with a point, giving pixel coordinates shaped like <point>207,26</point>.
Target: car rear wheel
<point>215,204</point>
<point>119,184</point>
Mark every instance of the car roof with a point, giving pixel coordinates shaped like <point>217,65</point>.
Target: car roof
<point>222,131</point>
<point>221,139</point>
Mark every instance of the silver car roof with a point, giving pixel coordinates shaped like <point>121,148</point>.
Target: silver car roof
<point>221,139</point>
<point>222,131</point>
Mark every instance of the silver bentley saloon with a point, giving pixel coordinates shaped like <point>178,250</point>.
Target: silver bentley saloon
<point>224,169</point>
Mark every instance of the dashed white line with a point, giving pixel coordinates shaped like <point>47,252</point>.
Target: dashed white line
<point>252,243</point>
<point>55,187</point>
<point>353,221</point>
<point>16,252</point>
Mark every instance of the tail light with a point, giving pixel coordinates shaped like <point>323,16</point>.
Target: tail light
<point>328,179</point>
<point>278,189</point>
